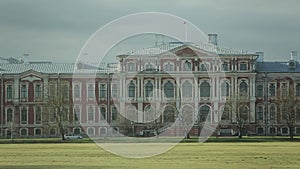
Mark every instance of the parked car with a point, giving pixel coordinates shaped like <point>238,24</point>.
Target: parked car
<point>72,136</point>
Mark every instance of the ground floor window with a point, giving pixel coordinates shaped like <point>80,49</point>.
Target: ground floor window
<point>103,131</point>
<point>24,132</point>
<point>52,131</point>
<point>38,132</point>
<point>284,131</point>
<point>91,131</point>
<point>298,130</point>
<point>77,131</point>
<point>272,130</point>
<point>260,131</point>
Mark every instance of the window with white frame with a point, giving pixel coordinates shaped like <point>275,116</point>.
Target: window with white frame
<point>23,132</point>
<point>187,66</point>
<point>131,89</point>
<point>103,116</point>
<point>149,66</point>
<point>204,67</point>
<point>272,89</point>
<point>24,91</point>
<point>204,114</point>
<point>102,90</point>
<point>91,113</point>
<point>114,113</point>
<point>284,89</point>
<point>9,115</point>
<point>38,91</point>
<point>114,90</point>
<point>187,89</point>
<point>77,113</point>
<point>205,89</point>
<point>9,91</point>
<point>272,113</point>
<point>24,115</point>
<point>91,131</point>
<point>259,90</point>
<point>298,89</point>
<point>149,89</point>
<point>260,113</point>
<point>225,66</point>
<point>52,88</point>
<point>297,114</point>
<point>169,67</point>
<point>243,87</point>
<point>169,89</point>
<point>226,113</point>
<point>38,115</point>
<point>65,91</point>
<point>37,131</point>
<point>77,91</point>
<point>90,91</point>
<point>131,67</point>
<point>224,89</point>
<point>243,66</point>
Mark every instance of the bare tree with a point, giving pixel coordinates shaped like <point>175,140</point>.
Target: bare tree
<point>57,107</point>
<point>287,103</point>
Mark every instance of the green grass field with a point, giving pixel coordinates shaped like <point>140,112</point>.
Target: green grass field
<point>185,155</point>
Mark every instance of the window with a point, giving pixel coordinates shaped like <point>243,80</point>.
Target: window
<point>102,90</point>
<point>38,115</point>
<point>225,67</point>
<point>24,115</point>
<point>243,87</point>
<point>114,90</point>
<point>91,131</point>
<point>169,114</point>
<point>91,91</point>
<point>298,114</point>
<point>131,67</point>
<point>77,113</point>
<point>187,66</point>
<point>9,115</point>
<point>226,113</point>
<point>65,91</point>
<point>205,89</point>
<point>114,113</point>
<point>52,89</point>
<point>284,131</point>
<point>169,89</point>
<point>284,89</point>
<point>24,91</point>
<point>131,113</point>
<point>272,130</point>
<point>224,89</point>
<point>52,131</point>
<point>260,113</point>
<point>23,132</point>
<point>272,89</point>
<point>91,113</point>
<point>38,132</point>
<point>149,114</point>
<point>149,66</point>
<point>204,114</point>
<point>77,131</point>
<point>260,131</point>
<point>131,89</point>
<point>187,89</point>
<point>298,89</point>
<point>204,67</point>
<point>259,91</point>
<point>169,67</point>
<point>149,89</point>
<point>77,91</point>
<point>102,113</point>
<point>38,91</point>
<point>243,66</point>
<point>243,113</point>
<point>272,112</point>
<point>9,92</point>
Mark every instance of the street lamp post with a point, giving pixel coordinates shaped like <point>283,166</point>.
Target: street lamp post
<point>132,126</point>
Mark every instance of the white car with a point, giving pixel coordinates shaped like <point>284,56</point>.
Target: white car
<point>72,136</point>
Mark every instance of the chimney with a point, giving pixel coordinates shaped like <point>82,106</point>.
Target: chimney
<point>294,55</point>
<point>260,57</point>
<point>213,39</point>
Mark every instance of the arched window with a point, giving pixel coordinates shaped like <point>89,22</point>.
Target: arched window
<point>226,113</point>
<point>131,89</point>
<point>148,89</point>
<point>169,114</point>
<point>224,89</point>
<point>243,87</point>
<point>187,115</point>
<point>205,89</point>
<point>131,113</point>
<point>243,113</point>
<point>102,113</point>
<point>91,131</point>
<point>204,114</point>
<point>169,89</point>
<point>150,114</point>
<point>187,89</point>
<point>187,66</point>
<point>23,132</point>
<point>9,115</point>
<point>38,132</point>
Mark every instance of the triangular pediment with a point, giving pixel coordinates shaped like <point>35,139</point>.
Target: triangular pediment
<point>31,76</point>
<point>191,51</point>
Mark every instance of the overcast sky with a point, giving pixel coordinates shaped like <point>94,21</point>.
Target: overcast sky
<point>57,30</point>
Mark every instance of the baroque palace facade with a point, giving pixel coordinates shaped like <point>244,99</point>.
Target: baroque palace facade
<point>150,89</point>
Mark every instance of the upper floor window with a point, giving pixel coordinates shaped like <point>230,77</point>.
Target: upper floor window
<point>91,113</point>
<point>272,112</point>
<point>148,89</point>
<point>38,115</point>
<point>131,67</point>
<point>102,113</point>
<point>24,91</point>
<point>205,89</point>
<point>114,113</point>
<point>77,113</point>
<point>272,89</point>
<point>90,91</point>
<point>243,87</point>
<point>284,89</point>
<point>204,67</point>
<point>298,89</point>
<point>169,67</point>
<point>114,90</point>
<point>102,90</point>
<point>243,66</point>
<point>169,89</point>
<point>24,115</point>
<point>38,91</point>
<point>131,89</point>
<point>149,66</point>
<point>9,115</point>
<point>224,89</point>
<point>225,67</point>
<point>260,113</point>
<point>9,91</point>
<point>65,91</point>
<point>259,91</point>
<point>77,90</point>
<point>187,89</point>
<point>187,66</point>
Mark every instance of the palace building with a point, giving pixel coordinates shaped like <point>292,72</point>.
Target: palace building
<point>149,89</point>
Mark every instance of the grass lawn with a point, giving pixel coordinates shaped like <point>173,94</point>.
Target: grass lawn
<point>185,155</point>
